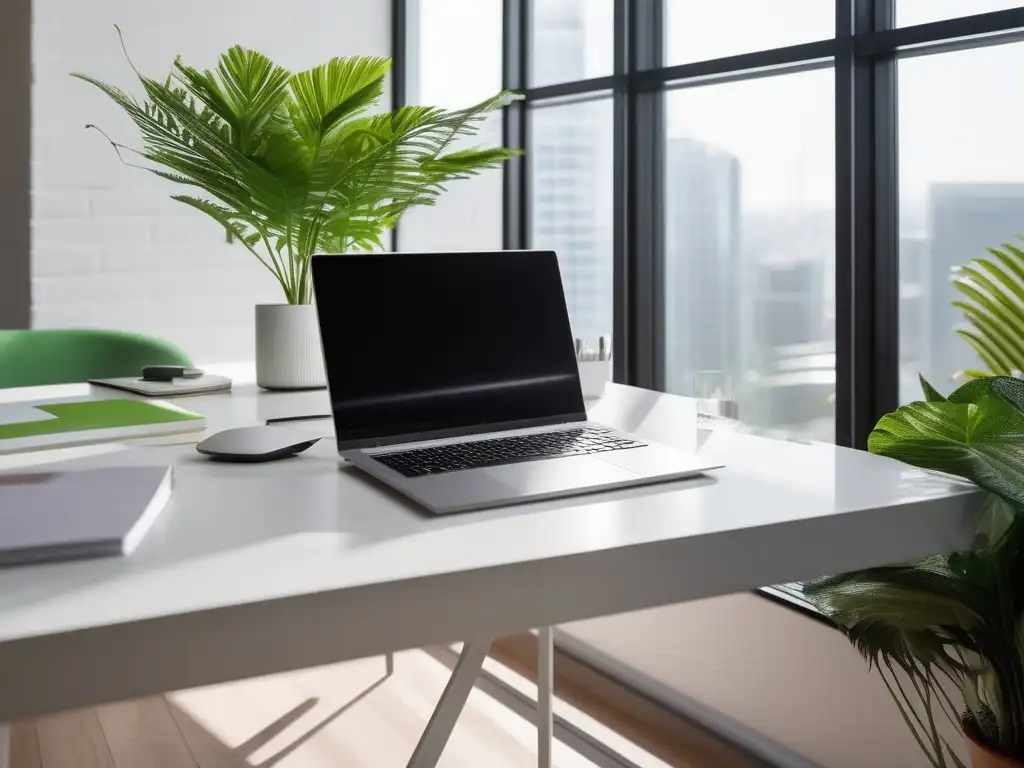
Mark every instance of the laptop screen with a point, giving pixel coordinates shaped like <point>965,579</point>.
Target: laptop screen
<point>417,344</point>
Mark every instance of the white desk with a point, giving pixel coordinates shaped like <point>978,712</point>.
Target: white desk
<point>256,569</point>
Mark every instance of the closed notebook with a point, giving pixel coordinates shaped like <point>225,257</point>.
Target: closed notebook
<point>39,425</point>
<point>204,385</point>
<point>67,515</point>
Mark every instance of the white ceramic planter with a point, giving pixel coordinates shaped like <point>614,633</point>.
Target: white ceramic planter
<point>288,352</point>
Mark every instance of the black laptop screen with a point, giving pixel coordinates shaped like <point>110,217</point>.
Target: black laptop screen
<point>427,343</point>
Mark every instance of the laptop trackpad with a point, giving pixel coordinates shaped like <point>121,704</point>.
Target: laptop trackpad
<point>536,477</point>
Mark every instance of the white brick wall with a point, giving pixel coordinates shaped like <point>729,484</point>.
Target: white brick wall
<point>109,248</point>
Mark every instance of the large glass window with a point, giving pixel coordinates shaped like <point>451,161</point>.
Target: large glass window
<point>570,156</point>
<point>922,11</point>
<point>961,190</point>
<point>750,248</point>
<point>762,246</point>
<point>469,215</point>
<point>570,40</point>
<point>696,30</point>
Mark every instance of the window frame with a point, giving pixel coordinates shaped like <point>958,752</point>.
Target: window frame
<point>863,54</point>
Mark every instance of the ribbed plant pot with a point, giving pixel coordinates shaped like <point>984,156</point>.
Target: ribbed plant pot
<point>288,352</point>
<point>982,756</point>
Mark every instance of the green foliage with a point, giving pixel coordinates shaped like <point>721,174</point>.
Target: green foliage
<point>958,618</point>
<point>992,302</point>
<point>292,164</point>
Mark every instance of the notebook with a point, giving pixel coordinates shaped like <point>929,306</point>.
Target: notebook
<point>204,385</point>
<point>39,425</point>
<point>68,515</point>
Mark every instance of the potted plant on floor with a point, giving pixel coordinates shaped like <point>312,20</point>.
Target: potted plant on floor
<point>947,632</point>
<point>295,164</point>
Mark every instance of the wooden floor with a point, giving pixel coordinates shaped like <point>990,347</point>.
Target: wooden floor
<point>343,716</point>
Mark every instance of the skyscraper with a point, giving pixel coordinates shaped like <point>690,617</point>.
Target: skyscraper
<point>702,263</point>
<point>963,219</point>
<point>915,315</point>
<point>789,335</point>
<point>571,186</point>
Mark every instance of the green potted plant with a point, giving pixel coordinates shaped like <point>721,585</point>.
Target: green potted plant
<point>295,164</point>
<point>947,632</point>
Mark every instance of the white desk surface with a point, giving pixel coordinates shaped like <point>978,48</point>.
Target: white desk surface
<point>261,568</point>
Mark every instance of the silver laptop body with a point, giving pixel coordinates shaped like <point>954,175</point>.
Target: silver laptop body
<point>453,379</point>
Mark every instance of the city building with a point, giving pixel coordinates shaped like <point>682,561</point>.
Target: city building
<point>963,219</point>
<point>703,313</point>
<point>571,186</point>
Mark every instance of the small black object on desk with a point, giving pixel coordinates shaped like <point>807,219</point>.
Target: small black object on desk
<point>169,372</point>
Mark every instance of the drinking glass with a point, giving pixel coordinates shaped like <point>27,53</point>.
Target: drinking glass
<point>716,398</point>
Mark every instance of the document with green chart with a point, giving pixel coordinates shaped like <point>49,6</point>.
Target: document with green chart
<point>51,424</point>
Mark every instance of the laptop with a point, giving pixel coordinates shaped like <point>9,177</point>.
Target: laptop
<point>453,379</point>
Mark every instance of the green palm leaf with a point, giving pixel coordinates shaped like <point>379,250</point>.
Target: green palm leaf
<point>339,89</point>
<point>245,92</point>
<point>993,303</point>
<point>291,164</point>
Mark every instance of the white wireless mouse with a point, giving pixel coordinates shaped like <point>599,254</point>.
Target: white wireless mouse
<point>254,444</point>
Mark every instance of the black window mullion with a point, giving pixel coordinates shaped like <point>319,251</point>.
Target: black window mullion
<point>401,10</point>
<point>884,239</point>
<point>621,301</point>
<point>515,124</point>
<point>644,170</point>
<point>867,268</point>
<point>965,31</point>
<point>847,390</point>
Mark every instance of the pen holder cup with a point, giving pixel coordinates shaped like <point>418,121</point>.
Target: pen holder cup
<point>594,377</point>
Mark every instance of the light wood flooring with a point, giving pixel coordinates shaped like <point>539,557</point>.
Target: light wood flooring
<point>343,716</point>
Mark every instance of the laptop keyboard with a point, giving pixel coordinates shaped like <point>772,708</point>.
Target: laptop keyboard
<point>496,451</point>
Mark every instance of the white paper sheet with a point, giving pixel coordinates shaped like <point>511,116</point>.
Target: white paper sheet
<point>21,413</point>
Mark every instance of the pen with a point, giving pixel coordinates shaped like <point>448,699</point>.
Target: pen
<point>579,347</point>
<point>310,417</point>
<point>601,354</point>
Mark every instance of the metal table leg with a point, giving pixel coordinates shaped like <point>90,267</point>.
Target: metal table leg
<point>545,683</point>
<point>448,709</point>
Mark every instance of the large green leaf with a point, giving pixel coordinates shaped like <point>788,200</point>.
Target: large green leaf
<point>977,433</point>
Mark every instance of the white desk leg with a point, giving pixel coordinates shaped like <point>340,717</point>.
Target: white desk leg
<point>545,683</point>
<point>5,746</point>
<point>448,709</point>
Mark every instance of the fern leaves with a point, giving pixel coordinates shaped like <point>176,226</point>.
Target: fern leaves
<point>291,164</point>
<point>992,303</point>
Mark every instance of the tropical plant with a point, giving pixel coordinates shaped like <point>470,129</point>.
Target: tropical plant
<point>992,290</point>
<point>292,164</point>
<point>956,619</point>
